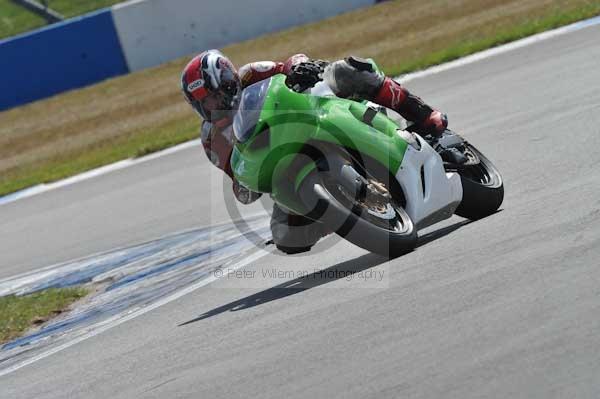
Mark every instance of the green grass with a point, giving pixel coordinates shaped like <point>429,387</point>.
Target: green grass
<point>19,313</point>
<point>72,8</point>
<point>130,146</point>
<point>466,47</point>
<point>15,19</point>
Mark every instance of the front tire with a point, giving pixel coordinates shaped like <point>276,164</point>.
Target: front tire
<point>483,188</point>
<point>353,221</point>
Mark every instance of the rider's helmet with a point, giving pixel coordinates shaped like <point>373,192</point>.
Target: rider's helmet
<point>211,85</point>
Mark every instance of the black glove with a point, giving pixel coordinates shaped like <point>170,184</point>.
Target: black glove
<point>305,75</point>
<point>434,125</point>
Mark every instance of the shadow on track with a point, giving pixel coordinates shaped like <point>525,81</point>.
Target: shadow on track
<point>439,233</point>
<point>316,279</point>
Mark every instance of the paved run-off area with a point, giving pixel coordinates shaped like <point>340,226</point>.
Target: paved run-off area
<point>503,307</point>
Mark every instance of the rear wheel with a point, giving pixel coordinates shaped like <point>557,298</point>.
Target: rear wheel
<point>483,189</point>
<point>371,219</point>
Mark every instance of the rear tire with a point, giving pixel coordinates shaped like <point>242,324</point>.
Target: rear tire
<point>348,219</point>
<point>483,189</point>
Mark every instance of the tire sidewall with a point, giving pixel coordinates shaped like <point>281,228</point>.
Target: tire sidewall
<point>350,225</point>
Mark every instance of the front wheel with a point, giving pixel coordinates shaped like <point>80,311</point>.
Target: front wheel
<point>372,220</point>
<point>483,189</point>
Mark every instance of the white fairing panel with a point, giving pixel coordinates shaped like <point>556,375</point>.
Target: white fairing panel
<point>441,193</point>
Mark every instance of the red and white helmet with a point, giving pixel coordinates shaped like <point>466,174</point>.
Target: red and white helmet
<point>211,85</point>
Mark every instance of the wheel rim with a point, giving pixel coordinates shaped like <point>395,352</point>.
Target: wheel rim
<point>479,170</point>
<point>375,205</point>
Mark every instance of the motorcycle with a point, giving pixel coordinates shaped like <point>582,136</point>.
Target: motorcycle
<point>355,168</point>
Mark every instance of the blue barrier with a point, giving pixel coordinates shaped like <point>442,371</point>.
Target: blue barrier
<point>64,56</point>
<point>137,35</point>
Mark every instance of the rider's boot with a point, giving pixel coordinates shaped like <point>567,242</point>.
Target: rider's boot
<point>427,120</point>
<point>356,78</point>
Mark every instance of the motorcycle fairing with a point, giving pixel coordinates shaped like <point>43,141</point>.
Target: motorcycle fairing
<point>432,195</point>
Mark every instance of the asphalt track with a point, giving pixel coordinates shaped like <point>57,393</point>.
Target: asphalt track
<point>503,307</point>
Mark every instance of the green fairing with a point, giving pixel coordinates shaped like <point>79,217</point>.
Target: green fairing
<point>292,120</point>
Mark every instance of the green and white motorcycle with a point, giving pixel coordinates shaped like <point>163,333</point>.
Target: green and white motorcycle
<point>350,166</point>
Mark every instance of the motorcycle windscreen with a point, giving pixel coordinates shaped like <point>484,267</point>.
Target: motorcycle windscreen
<point>248,114</point>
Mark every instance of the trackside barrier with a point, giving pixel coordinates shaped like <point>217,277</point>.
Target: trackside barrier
<point>140,34</point>
<point>64,56</point>
<point>156,31</point>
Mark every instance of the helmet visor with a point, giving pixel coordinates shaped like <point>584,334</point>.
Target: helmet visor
<point>212,104</point>
<point>211,107</point>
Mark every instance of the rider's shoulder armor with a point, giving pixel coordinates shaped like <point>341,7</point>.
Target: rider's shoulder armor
<point>257,71</point>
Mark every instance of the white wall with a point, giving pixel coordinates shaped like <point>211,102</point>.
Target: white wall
<point>152,32</point>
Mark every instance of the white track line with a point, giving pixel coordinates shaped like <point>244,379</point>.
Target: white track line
<point>44,272</point>
<point>42,188</point>
<point>120,319</point>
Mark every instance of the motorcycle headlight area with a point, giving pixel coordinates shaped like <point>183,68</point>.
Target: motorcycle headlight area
<point>250,108</point>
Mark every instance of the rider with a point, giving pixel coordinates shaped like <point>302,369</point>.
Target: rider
<point>212,86</point>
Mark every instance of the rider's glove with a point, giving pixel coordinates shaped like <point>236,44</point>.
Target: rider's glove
<point>435,124</point>
<point>305,75</point>
<point>244,195</point>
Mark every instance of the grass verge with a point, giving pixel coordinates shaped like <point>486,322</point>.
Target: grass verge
<point>15,19</point>
<point>144,112</point>
<point>20,313</point>
<point>131,145</point>
<point>472,45</point>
